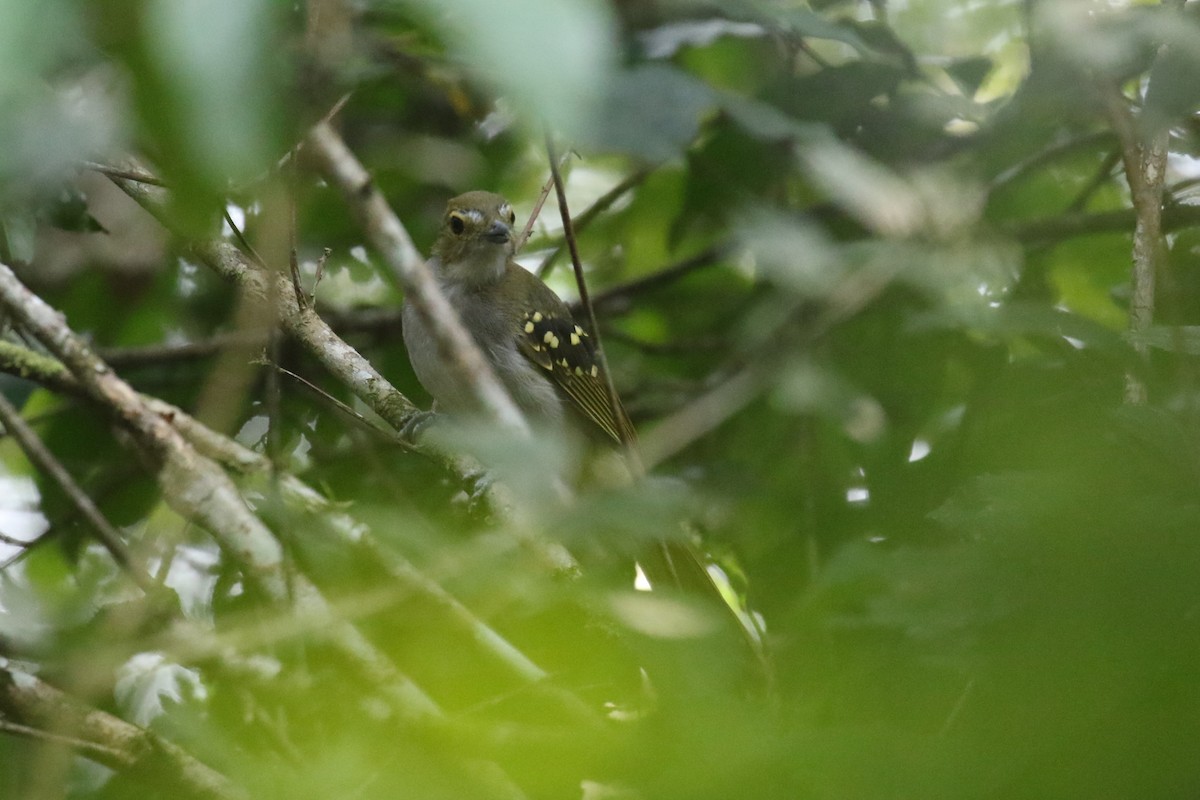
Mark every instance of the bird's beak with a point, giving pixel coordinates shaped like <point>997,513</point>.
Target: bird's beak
<point>498,233</point>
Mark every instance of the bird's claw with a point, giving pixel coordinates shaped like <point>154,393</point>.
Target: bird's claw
<point>416,425</point>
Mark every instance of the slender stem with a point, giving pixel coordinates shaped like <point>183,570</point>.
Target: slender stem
<point>537,209</point>
<point>1145,158</point>
<point>569,232</point>
<point>663,277</point>
<point>602,204</point>
<point>43,459</point>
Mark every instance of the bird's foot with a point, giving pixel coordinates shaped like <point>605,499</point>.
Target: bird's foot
<point>417,424</point>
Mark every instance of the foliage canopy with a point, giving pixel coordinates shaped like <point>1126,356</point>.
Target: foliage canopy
<point>863,273</point>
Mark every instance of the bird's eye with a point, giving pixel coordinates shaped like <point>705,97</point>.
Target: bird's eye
<point>512,217</point>
<point>457,223</point>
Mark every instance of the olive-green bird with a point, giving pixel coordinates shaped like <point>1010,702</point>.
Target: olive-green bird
<point>544,359</point>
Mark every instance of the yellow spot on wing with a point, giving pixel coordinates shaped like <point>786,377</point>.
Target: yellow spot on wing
<point>574,338</point>
<point>529,327</point>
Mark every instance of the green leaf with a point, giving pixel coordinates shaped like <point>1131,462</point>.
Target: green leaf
<point>19,231</point>
<point>553,59</point>
<point>68,211</point>
<point>969,73</point>
<point>653,112</point>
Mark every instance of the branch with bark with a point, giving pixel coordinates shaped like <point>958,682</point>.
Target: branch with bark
<point>387,234</point>
<point>33,708</point>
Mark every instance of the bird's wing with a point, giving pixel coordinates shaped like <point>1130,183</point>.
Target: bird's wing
<point>565,351</point>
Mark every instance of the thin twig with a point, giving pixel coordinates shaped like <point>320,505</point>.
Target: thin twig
<point>45,461</point>
<point>537,210</point>
<point>293,257</point>
<point>320,273</point>
<point>614,400</point>
<point>97,752</point>
<point>366,424</point>
<point>620,293</point>
<point>1068,226</point>
<point>243,241</point>
<point>1049,155</point>
<point>602,204</point>
<point>137,176</point>
<point>1101,176</point>
<point>149,355</point>
<point>333,111</point>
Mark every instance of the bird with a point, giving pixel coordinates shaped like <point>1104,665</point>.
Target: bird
<point>545,360</point>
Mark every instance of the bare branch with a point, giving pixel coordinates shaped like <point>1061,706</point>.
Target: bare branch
<point>602,204</point>
<point>119,357</point>
<point>533,215</point>
<point>41,456</point>
<point>297,494</point>
<point>392,241</point>
<point>613,400</point>
<point>1145,160</point>
<point>196,487</point>
<point>303,324</point>
<point>101,736</point>
<point>616,295</point>
<point>200,491</point>
<point>1068,226</point>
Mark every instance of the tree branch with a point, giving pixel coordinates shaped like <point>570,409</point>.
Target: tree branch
<point>1145,158</point>
<point>627,437</point>
<point>392,241</point>
<point>102,737</point>
<point>622,293</point>
<point>303,324</point>
<point>1068,226</point>
<point>602,204</point>
<point>306,501</point>
<point>44,460</point>
<point>199,490</point>
<point>343,361</point>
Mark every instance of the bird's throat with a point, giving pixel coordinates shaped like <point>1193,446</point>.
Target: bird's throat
<point>478,266</point>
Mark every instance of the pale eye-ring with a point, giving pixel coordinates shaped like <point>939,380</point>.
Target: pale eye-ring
<point>457,223</point>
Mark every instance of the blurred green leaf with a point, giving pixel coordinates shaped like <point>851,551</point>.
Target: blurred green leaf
<point>554,59</point>
<point>19,230</point>
<point>969,73</point>
<point>863,286</point>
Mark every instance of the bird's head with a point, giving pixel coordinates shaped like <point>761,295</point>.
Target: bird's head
<point>477,238</point>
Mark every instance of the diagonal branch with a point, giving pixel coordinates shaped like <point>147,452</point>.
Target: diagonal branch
<point>389,237</point>
<point>102,737</point>
<point>343,361</point>
<point>569,232</point>
<point>200,491</point>
<point>407,578</point>
<point>43,459</point>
